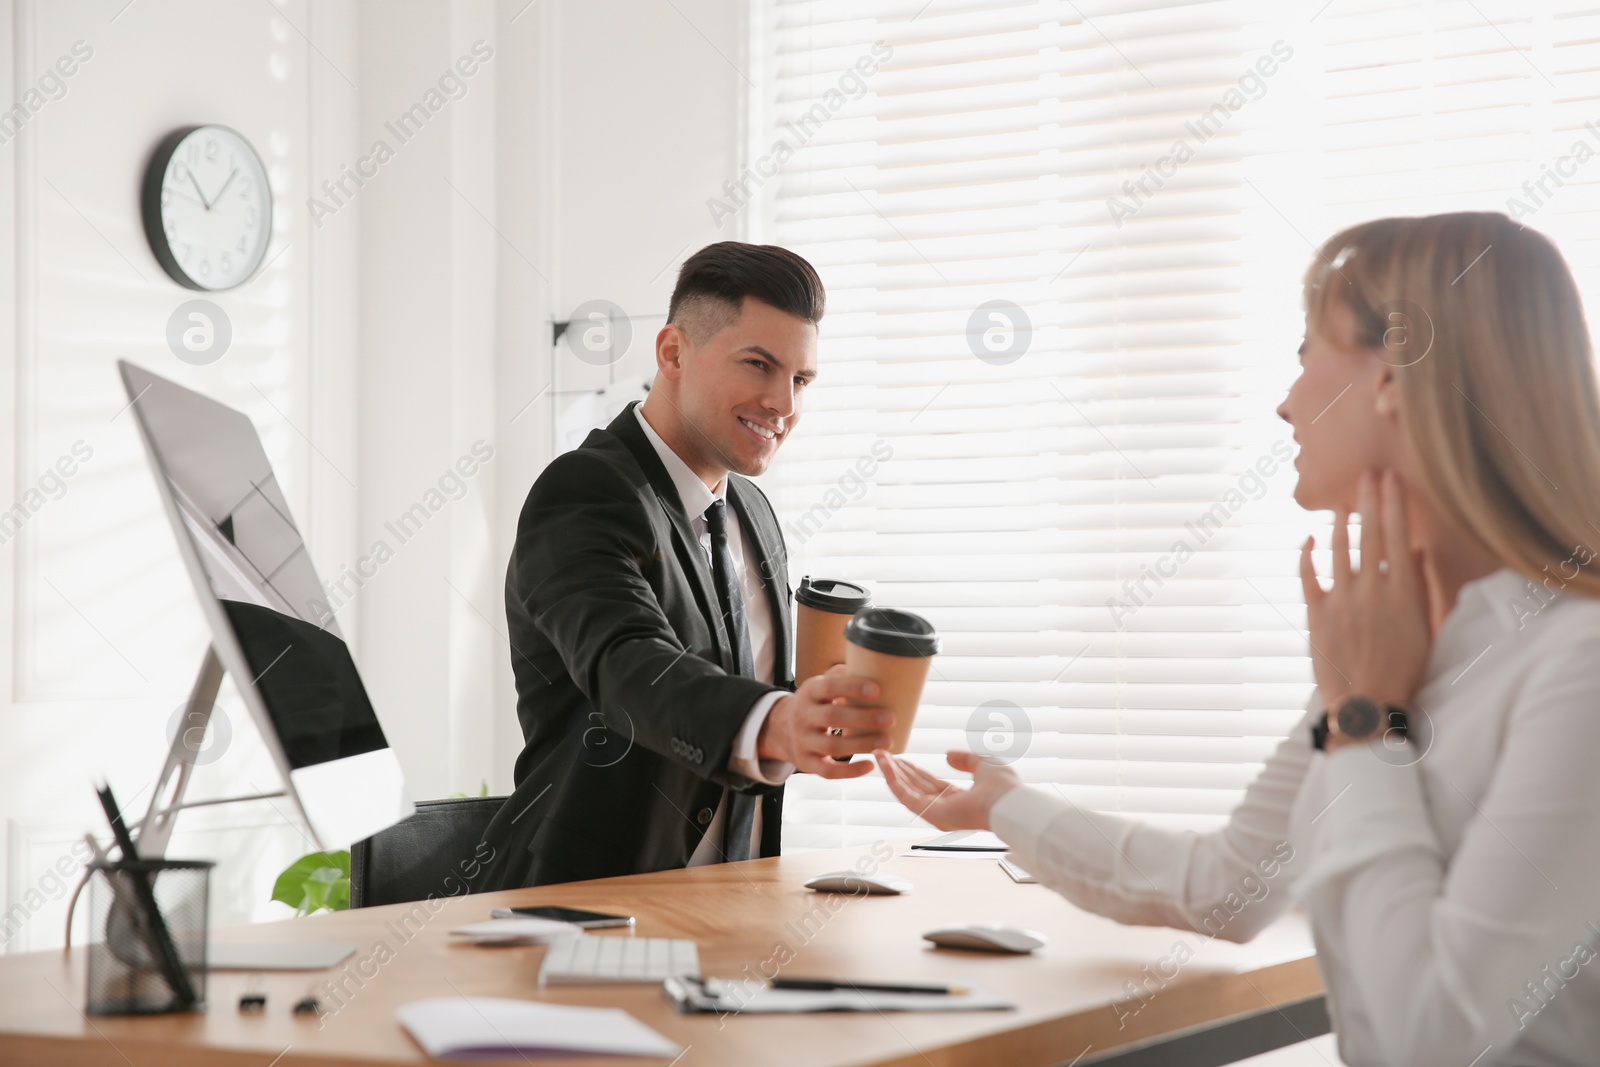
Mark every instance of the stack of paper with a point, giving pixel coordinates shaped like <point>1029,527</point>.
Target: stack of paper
<point>519,931</point>
<point>1017,873</point>
<point>474,1027</point>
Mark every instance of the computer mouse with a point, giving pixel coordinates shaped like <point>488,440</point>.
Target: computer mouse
<point>986,937</point>
<point>858,883</point>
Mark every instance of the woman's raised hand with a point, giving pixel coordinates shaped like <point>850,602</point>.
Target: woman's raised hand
<point>1369,633</point>
<point>946,806</point>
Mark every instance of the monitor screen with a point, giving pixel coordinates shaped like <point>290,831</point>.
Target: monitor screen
<point>224,497</point>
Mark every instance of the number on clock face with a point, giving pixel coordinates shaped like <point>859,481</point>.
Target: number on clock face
<point>212,217</point>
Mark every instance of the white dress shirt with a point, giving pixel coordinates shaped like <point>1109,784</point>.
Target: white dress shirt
<point>1452,879</point>
<point>696,498</point>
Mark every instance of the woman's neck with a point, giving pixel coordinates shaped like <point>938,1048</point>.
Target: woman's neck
<point>1450,559</point>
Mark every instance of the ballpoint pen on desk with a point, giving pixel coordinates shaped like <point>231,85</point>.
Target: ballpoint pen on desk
<point>826,985</point>
<point>166,953</point>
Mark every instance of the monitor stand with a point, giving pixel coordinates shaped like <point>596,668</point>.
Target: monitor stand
<point>150,837</point>
<point>154,831</point>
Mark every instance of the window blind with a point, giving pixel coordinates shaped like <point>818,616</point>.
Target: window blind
<point>1062,244</point>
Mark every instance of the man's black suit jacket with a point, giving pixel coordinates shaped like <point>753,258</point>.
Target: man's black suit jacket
<point>627,688</point>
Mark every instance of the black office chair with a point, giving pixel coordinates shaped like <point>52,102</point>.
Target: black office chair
<point>434,852</point>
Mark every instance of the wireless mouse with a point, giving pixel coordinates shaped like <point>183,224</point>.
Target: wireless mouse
<point>857,883</point>
<point>986,937</point>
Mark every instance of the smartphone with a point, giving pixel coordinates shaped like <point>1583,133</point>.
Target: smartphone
<point>589,920</point>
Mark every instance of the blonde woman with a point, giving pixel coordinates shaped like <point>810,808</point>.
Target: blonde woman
<point>1452,870</point>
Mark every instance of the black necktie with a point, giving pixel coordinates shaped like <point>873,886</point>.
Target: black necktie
<point>738,827</point>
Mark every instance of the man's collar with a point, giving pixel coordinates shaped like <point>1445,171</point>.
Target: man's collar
<point>695,496</point>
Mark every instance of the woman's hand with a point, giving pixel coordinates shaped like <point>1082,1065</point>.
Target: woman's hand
<point>1369,633</point>
<point>944,805</point>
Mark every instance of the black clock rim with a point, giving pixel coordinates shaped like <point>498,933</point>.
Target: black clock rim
<point>150,205</point>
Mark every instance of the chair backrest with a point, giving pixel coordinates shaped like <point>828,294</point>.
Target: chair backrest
<point>434,852</point>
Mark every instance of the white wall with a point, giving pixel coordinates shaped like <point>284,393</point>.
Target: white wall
<point>647,106</point>
<point>427,277</point>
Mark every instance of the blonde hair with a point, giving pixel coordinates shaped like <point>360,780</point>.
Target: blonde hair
<point>1494,374</point>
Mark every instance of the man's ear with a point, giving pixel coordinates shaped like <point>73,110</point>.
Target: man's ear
<point>672,346</point>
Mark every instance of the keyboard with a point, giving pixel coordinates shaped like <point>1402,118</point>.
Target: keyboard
<point>591,960</point>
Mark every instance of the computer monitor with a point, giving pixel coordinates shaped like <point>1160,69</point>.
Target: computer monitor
<point>270,627</point>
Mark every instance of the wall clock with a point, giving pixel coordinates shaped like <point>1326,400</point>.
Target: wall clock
<point>207,207</point>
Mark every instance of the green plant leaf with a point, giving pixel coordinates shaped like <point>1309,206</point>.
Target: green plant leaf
<point>315,882</point>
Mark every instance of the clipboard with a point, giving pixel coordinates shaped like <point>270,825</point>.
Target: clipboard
<point>968,841</point>
<point>726,997</point>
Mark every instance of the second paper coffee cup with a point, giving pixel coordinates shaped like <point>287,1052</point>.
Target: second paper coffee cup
<point>895,649</point>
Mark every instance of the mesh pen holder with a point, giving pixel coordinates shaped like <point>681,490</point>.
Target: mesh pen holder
<point>129,968</point>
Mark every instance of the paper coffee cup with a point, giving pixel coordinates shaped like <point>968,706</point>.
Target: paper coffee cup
<point>895,649</point>
<point>822,608</point>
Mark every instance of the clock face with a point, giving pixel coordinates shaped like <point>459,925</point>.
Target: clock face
<point>207,207</point>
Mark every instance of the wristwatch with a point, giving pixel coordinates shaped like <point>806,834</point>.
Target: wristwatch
<point>1359,717</point>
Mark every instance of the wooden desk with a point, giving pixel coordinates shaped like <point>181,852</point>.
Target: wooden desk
<point>1072,994</point>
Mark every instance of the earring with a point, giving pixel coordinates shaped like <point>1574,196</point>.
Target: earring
<point>1385,405</point>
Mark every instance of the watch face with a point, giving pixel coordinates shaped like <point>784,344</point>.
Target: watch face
<point>207,207</point>
<point>1359,717</point>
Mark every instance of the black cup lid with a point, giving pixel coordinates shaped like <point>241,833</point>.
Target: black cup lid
<point>893,632</point>
<point>832,595</point>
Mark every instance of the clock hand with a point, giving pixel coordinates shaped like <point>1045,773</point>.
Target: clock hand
<point>203,201</point>
<point>225,185</point>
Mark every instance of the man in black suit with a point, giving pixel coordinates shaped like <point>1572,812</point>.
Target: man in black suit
<point>649,605</point>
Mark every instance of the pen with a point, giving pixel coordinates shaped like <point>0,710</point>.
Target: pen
<point>165,951</point>
<point>824,985</point>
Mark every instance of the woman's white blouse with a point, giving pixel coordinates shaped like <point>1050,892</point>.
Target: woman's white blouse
<point>1452,879</point>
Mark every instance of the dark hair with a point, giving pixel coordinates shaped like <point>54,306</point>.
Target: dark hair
<point>713,283</point>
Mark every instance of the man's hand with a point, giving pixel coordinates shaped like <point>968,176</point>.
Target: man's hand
<point>798,728</point>
<point>946,806</point>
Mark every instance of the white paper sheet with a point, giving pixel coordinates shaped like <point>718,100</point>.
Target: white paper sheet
<point>481,1027</point>
<point>527,930</point>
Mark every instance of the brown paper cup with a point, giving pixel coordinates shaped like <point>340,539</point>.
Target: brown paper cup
<point>895,649</point>
<point>901,679</point>
<point>818,641</point>
<point>822,610</point>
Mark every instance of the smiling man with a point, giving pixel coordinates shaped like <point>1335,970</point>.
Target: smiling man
<point>649,605</point>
